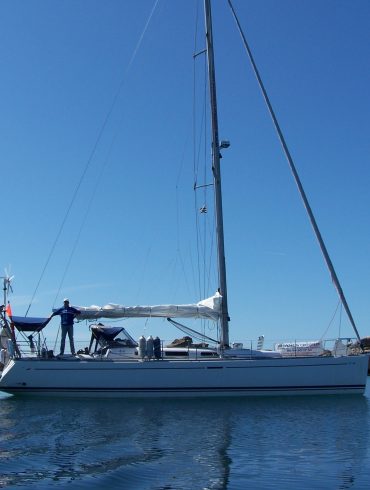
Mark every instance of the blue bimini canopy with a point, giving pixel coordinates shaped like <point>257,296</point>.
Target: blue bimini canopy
<point>28,324</point>
<point>107,333</point>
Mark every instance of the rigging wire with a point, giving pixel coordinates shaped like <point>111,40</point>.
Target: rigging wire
<point>293,169</point>
<point>93,151</point>
<point>331,321</point>
<point>190,331</point>
<point>205,233</point>
<point>199,147</point>
<point>205,189</point>
<point>340,320</point>
<point>178,228</point>
<point>195,158</point>
<point>91,200</point>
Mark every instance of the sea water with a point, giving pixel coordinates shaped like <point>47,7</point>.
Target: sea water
<point>261,443</point>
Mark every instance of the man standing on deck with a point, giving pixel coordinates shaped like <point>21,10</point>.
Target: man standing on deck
<point>67,315</point>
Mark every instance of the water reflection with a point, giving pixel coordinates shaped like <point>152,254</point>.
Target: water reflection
<point>314,442</point>
<point>318,442</point>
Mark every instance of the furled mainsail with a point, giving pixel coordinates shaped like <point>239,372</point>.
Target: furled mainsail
<point>209,308</point>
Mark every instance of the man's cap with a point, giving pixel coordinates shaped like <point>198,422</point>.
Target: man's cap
<point>66,300</point>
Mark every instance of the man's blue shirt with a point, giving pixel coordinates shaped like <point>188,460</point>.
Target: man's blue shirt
<point>67,314</point>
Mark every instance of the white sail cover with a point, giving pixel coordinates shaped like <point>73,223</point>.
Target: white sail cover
<point>209,308</point>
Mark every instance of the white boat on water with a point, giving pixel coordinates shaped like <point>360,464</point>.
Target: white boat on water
<point>122,368</point>
<point>126,368</point>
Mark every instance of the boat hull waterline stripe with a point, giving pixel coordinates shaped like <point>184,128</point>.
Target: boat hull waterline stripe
<point>191,391</point>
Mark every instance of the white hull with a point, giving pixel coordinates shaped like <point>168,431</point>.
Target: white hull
<point>186,378</point>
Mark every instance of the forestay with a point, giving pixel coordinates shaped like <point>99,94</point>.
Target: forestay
<point>209,308</point>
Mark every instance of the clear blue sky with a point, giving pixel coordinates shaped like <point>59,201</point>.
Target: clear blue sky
<point>62,65</point>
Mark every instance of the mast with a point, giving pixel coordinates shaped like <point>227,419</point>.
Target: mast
<point>217,178</point>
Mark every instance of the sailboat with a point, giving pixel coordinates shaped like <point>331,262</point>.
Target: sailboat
<point>113,367</point>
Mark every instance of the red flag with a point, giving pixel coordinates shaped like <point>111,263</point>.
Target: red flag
<point>8,310</point>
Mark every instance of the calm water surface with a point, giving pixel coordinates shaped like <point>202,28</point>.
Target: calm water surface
<point>300,442</point>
